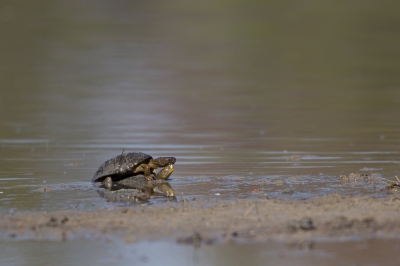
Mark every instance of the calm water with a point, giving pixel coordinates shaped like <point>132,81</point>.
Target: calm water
<point>243,94</point>
<point>74,252</point>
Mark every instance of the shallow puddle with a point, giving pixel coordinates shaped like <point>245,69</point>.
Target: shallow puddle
<point>56,176</point>
<point>62,181</point>
<point>80,252</point>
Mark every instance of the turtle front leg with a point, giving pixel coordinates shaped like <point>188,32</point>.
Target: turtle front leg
<point>108,182</point>
<point>148,172</point>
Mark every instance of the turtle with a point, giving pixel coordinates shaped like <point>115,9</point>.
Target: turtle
<point>130,164</point>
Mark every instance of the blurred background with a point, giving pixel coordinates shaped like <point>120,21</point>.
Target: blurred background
<point>287,94</point>
<point>229,88</point>
<point>114,69</point>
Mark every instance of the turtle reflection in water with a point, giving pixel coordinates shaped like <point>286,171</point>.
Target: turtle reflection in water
<point>137,189</point>
<point>131,164</point>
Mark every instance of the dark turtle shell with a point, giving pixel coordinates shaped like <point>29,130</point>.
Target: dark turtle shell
<point>121,167</point>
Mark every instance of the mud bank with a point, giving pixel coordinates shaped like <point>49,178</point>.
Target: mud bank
<point>198,222</point>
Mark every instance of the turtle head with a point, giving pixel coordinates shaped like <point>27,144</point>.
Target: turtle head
<point>165,173</point>
<point>162,162</point>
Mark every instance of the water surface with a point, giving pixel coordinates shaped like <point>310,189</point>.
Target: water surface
<point>253,99</point>
<point>365,252</point>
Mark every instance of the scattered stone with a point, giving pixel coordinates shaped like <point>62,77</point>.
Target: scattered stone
<point>64,220</point>
<point>306,223</point>
<point>52,222</point>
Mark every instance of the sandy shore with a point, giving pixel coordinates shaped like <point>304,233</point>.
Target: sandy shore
<point>209,222</point>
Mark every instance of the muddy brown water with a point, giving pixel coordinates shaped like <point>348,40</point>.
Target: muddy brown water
<point>367,252</point>
<point>255,101</point>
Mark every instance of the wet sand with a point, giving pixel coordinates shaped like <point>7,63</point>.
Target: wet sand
<point>201,222</point>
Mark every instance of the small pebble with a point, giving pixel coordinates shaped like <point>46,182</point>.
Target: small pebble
<point>306,223</point>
